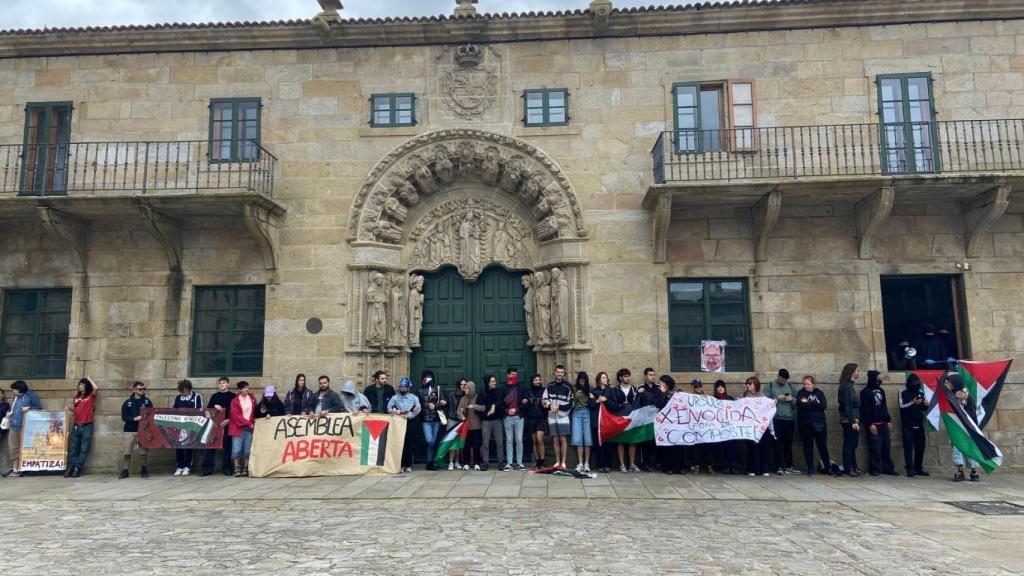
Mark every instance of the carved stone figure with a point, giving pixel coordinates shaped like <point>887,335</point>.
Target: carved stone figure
<point>385,231</point>
<point>510,176</point>
<point>415,309</point>
<point>530,187</point>
<point>395,209</point>
<point>531,333</point>
<point>559,306</point>
<point>399,319</point>
<point>376,310</point>
<point>547,228</point>
<point>424,177</point>
<point>542,308</point>
<point>405,191</point>
<point>467,158</point>
<point>542,208</point>
<point>507,248</point>
<point>471,237</point>
<point>443,166</point>
<point>489,170</point>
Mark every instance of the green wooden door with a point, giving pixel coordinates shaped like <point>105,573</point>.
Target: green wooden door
<point>472,329</point>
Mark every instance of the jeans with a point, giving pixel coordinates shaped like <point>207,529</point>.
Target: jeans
<point>81,441</point>
<point>514,439</point>
<point>430,437</point>
<point>581,428</point>
<point>784,443</point>
<point>810,437</point>
<point>495,429</point>
<point>241,445</point>
<point>850,441</point>
<point>958,459</point>
<point>880,450</point>
<point>913,448</point>
<point>210,456</point>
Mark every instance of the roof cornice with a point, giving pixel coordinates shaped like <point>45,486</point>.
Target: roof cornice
<point>707,18</point>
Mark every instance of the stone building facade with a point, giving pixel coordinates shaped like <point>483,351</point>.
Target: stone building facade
<point>718,149</point>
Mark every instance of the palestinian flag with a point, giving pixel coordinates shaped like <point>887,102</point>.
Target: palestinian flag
<point>984,381</point>
<point>964,433</point>
<point>455,439</point>
<point>930,379</point>
<point>633,429</point>
<point>374,442</point>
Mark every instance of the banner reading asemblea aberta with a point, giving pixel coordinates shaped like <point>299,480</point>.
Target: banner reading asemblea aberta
<point>334,445</point>
<point>690,419</point>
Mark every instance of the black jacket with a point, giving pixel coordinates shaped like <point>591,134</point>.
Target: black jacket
<point>618,401</point>
<point>378,397</point>
<point>873,407</point>
<point>131,408</point>
<point>331,402</point>
<point>810,408</point>
<point>270,407</point>
<point>296,401</point>
<point>452,409</point>
<point>492,399</point>
<point>512,398</point>
<point>535,409</point>
<point>646,396</point>
<point>429,394</point>
<point>912,415</point>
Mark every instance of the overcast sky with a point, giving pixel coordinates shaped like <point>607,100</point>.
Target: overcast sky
<point>66,13</point>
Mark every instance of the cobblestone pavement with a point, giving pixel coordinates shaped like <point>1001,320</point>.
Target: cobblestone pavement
<point>508,523</point>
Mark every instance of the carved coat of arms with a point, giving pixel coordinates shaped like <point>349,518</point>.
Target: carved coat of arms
<point>470,87</point>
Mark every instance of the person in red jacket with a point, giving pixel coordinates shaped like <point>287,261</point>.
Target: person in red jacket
<point>241,420</point>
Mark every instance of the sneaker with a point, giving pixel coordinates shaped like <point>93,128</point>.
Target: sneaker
<point>579,467</point>
<point>476,467</point>
<point>958,477</point>
<point>506,468</point>
<point>76,472</point>
<point>751,474</point>
<point>465,467</point>
<point>765,474</point>
<point>922,473</point>
<point>519,467</point>
<point>484,467</point>
<point>177,471</point>
<point>911,473</point>
<point>586,468</point>
<point>121,476</point>
<point>623,468</point>
<point>711,470</point>
<point>975,477</point>
<point>810,473</point>
<point>69,472</point>
<point>144,473</point>
<point>451,466</point>
<point>186,471</point>
<point>634,468</point>
<point>792,470</point>
<point>780,472</point>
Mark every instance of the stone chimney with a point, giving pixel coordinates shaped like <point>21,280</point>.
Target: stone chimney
<point>465,7</point>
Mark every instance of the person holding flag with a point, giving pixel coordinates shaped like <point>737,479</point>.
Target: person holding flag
<point>970,446</point>
<point>913,407</point>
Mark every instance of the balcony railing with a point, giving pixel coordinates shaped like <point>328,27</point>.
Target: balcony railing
<point>83,168</point>
<point>957,146</point>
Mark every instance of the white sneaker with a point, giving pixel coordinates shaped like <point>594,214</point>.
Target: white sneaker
<point>185,471</point>
<point>579,467</point>
<point>451,466</point>
<point>177,471</point>
<point>476,467</point>
<point>466,467</point>
<point>586,468</point>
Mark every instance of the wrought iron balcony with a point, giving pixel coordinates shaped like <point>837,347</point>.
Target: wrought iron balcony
<point>794,152</point>
<point>135,168</point>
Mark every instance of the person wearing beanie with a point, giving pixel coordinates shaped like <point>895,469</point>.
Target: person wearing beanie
<point>270,404</point>
<point>874,413</point>
<point>913,408</point>
<point>956,383</point>
<point>405,405</point>
<point>726,451</point>
<point>433,403</point>
<point>783,392</point>
<point>672,458</point>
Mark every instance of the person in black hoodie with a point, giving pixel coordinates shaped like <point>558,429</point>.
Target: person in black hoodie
<point>602,452</point>
<point>645,396</point>
<point>220,401</point>
<point>431,402</point>
<point>672,458</point>
<point>913,408</point>
<point>874,413</point>
<point>810,419</point>
<point>726,451</point>
<point>536,418</point>
<point>618,401</point>
<point>271,405</point>
<point>493,401</point>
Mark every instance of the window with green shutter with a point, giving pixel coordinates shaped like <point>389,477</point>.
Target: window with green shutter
<point>34,333</point>
<point>234,129</point>
<point>391,110</point>
<point>546,107</point>
<point>227,331</point>
<point>906,109</point>
<point>709,309</point>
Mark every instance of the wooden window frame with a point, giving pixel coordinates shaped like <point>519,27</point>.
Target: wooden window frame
<point>228,354</point>
<point>26,152</point>
<point>727,115</point>
<point>708,324</point>
<point>37,334</point>
<point>235,154</point>
<point>392,99</point>
<point>545,107</point>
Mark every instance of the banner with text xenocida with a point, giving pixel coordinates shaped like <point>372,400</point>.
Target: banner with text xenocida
<point>332,445</point>
<point>690,419</point>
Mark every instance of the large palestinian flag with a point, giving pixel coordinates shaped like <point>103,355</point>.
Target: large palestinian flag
<point>633,429</point>
<point>984,381</point>
<point>374,442</point>
<point>964,433</point>
<point>931,379</point>
<point>455,439</point>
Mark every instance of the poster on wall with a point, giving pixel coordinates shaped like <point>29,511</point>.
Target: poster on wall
<point>44,441</point>
<point>691,419</point>
<point>186,428</point>
<point>712,355</point>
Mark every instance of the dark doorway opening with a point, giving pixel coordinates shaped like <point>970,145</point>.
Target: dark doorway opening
<point>925,313</point>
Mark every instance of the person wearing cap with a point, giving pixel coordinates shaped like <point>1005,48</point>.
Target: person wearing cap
<point>433,403</point>
<point>353,401</point>
<point>783,392</point>
<point>241,422</point>
<point>956,384</point>
<point>187,398</point>
<point>913,408</point>
<point>700,454</point>
<point>672,458</point>
<point>874,413</point>
<point>325,401</point>
<point>407,406</point>
<point>270,404</point>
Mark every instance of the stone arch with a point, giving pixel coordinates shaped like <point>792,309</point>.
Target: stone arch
<point>431,162</point>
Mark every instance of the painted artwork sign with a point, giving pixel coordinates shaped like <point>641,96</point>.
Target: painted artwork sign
<point>44,441</point>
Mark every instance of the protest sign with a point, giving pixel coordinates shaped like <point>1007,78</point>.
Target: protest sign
<point>690,419</point>
<point>186,428</point>
<point>44,442</point>
<point>333,445</point>
<point>712,355</point>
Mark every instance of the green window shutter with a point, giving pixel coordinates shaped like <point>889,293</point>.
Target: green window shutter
<point>235,129</point>
<point>391,110</point>
<point>546,107</point>
<point>228,331</point>
<point>34,333</point>
<point>907,131</point>
<point>709,309</point>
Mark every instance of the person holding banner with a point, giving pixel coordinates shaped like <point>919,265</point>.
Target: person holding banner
<point>810,405</point>
<point>672,458</point>
<point>24,400</point>
<point>297,401</point>
<point>759,454</point>
<point>956,384</point>
<point>407,406</point>
<point>700,454</point>
<point>84,406</point>
<point>240,426</point>
<point>727,461</point>
<point>271,406</point>
<point>913,408</point>
<point>187,398</point>
<point>645,396</point>
<point>221,401</point>
<point>602,452</point>
<point>619,402</point>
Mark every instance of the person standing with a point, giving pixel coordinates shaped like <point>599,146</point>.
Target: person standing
<point>271,404</point>
<point>956,384</point>
<point>297,401</point>
<point>645,396</point>
<point>536,418</point>
<point>784,422</point>
<point>726,451</point>
<point>493,401</point>
<point>874,413</point>
<point>221,401</point>
<point>672,458</point>
<point>454,418</point>
<point>84,407</point>
<point>325,401</point>
<point>849,418</point>
<point>758,453</point>
<point>131,414</point>
<point>618,401</point>
<point>186,398</point>
<point>407,406</point>
<point>5,411</point>
<point>602,452</point>
<point>432,403</point>
<point>913,408</point>
<point>352,400</point>
<point>513,423</point>
<point>699,454</point>
<point>242,421</point>
<point>24,400</point>
<point>380,392</point>
<point>811,404</point>
<point>582,437</point>
<point>558,403</point>
<point>469,411</point>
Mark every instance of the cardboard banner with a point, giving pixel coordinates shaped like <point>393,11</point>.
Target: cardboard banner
<point>186,428</point>
<point>44,441</point>
<point>690,419</point>
<point>333,445</point>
